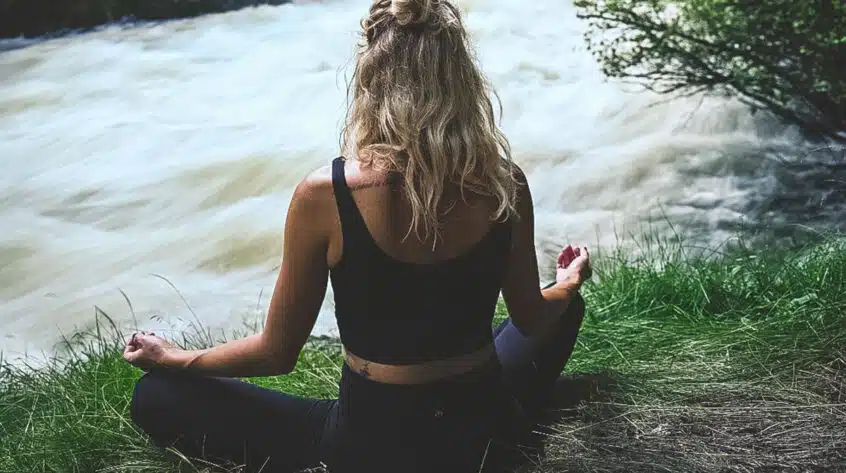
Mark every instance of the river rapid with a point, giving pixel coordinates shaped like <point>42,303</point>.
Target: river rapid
<point>136,157</point>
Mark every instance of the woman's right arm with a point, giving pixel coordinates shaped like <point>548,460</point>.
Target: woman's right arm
<point>533,311</point>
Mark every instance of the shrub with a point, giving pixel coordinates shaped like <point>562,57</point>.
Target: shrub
<point>786,56</point>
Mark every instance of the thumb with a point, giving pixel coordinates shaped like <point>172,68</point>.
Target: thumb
<point>131,353</point>
<point>132,349</point>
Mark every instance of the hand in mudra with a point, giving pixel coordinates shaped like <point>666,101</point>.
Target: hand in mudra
<point>146,350</point>
<point>573,265</point>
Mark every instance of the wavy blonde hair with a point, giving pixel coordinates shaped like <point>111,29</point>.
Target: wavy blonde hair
<point>420,106</point>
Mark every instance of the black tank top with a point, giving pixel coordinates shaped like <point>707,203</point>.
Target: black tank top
<point>395,312</point>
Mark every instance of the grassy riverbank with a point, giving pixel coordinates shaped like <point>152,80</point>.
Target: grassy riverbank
<point>736,364</point>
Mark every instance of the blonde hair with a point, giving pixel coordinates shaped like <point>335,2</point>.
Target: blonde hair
<point>420,106</point>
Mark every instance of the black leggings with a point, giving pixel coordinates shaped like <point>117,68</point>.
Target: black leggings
<point>448,426</point>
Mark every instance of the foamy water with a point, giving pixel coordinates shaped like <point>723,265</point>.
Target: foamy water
<point>173,149</point>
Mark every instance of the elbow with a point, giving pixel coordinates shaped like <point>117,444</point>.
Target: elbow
<point>533,322</point>
<point>527,326</point>
<point>276,368</point>
<point>273,358</point>
<point>273,364</point>
<point>284,365</point>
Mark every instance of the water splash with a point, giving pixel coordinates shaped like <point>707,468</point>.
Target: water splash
<point>173,148</point>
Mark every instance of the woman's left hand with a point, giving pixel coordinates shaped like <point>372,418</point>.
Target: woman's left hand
<point>147,351</point>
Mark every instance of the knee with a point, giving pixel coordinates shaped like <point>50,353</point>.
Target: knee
<point>571,321</point>
<point>576,309</point>
<point>149,400</point>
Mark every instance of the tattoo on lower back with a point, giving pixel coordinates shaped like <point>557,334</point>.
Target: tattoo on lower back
<point>364,370</point>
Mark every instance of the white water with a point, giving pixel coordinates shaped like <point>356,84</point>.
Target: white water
<point>173,149</point>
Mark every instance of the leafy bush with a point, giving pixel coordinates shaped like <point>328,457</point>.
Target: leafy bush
<point>786,56</point>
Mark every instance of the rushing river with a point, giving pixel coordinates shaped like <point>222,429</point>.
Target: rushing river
<point>172,150</point>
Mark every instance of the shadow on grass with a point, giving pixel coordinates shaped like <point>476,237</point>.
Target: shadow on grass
<point>608,422</point>
<point>571,391</point>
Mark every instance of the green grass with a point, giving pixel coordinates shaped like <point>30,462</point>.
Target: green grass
<point>684,364</point>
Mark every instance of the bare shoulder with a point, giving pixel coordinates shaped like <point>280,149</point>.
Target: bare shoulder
<point>316,186</point>
<point>313,203</point>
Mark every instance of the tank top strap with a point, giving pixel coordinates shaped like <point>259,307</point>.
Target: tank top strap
<point>352,223</point>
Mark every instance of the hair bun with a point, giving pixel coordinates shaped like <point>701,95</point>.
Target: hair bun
<point>412,12</point>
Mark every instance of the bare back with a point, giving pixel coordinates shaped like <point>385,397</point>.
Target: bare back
<point>387,215</point>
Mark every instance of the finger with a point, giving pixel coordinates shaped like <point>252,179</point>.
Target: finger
<point>138,341</point>
<point>149,340</point>
<point>566,256</point>
<point>131,356</point>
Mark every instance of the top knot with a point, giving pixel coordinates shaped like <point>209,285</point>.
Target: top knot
<point>412,12</point>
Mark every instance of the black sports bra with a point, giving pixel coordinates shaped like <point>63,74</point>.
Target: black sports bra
<point>395,312</point>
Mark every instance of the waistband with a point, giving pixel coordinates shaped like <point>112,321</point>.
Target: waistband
<point>421,373</point>
<point>485,379</point>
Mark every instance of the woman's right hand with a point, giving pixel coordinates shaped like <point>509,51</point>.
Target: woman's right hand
<point>573,266</point>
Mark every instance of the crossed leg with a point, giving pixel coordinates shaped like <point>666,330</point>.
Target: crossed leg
<point>530,371</point>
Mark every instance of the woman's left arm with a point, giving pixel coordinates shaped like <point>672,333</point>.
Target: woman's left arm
<point>297,297</point>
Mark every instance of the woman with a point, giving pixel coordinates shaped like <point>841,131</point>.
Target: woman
<point>419,231</point>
